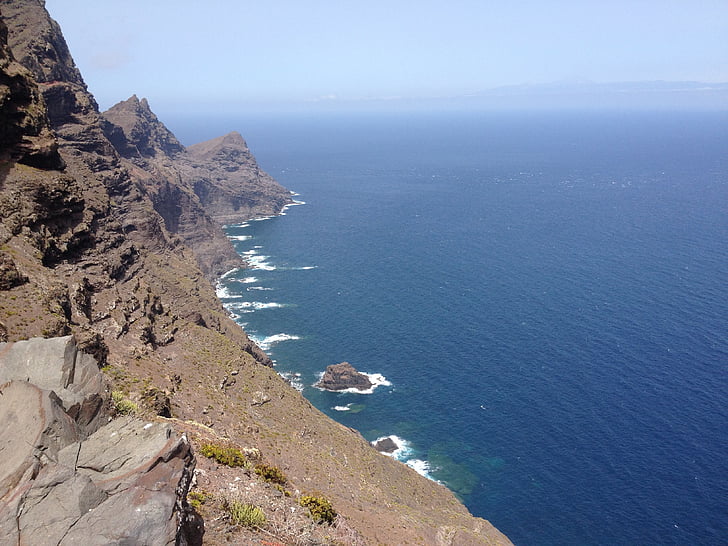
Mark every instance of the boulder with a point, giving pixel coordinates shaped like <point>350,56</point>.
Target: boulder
<point>67,478</point>
<point>343,376</point>
<point>57,365</point>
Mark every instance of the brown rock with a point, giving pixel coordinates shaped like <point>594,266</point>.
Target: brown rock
<point>339,377</point>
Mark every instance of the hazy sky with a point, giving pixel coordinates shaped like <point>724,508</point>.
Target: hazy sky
<point>285,51</point>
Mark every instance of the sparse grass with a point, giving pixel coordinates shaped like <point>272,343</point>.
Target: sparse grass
<point>228,456</point>
<point>320,508</point>
<point>245,514</point>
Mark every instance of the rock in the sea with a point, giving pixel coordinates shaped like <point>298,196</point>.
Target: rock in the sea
<point>339,377</point>
<point>67,474</point>
<point>385,445</point>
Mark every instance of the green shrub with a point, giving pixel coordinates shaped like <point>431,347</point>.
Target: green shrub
<point>196,499</point>
<point>122,405</point>
<point>229,456</point>
<point>271,474</point>
<point>245,514</point>
<point>319,507</point>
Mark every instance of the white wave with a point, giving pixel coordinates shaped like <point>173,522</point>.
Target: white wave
<point>258,261</point>
<point>289,205</point>
<point>240,237</point>
<point>403,454</point>
<point>246,306</point>
<point>242,225</point>
<point>224,293</point>
<point>294,379</point>
<point>258,288</point>
<point>342,408</point>
<point>303,268</point>
<point>248,280</point>
<point>267,342</point>
<point>421,467</point>
<point>228,273</point>
<point>261,218</point>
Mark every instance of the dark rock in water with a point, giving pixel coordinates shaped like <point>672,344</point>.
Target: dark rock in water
<point>339,377</point>
<point>385,445</point>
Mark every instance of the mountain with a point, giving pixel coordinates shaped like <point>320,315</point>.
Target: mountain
<point>110,233</point>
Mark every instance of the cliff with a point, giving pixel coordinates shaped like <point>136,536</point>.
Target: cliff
<point>109,232</point>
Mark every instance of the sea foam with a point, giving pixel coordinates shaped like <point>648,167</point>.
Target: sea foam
<point>294,379</point>
<point>267,342</point>
<point>247,306</point>
<point>258,261</point>
<point>404,453</point>
<point>224,293</point>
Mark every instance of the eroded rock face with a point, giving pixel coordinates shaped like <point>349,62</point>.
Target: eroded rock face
<point>339,377</point>
<point>195,189</point>
<point>68,475</point>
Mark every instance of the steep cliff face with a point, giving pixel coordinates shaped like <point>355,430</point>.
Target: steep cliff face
<point>97,240</point>
<point>194,193</point>
<point>156,159</point>
<point>230,183</point>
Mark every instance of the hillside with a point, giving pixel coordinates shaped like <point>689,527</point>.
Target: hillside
<point>110,232</point>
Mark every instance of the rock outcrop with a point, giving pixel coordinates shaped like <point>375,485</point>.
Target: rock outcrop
<point>230,183</point>
<point>385,445</point>
<point>343,376</point>
<point>69,475</point>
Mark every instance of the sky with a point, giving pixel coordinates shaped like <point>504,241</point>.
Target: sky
<point>275,53</point>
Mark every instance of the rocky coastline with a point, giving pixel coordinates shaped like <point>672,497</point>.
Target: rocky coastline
<point>133,384</point>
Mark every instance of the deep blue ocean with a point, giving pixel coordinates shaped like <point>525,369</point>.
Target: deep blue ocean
<point>546,293</point>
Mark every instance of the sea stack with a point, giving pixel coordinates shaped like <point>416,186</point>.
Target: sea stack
<point>343,376</point>
<point>385,445</point>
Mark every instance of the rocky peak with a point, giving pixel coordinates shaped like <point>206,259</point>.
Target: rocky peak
<point>230,151</point>
<point>135,131</point>
<point>38,44</point>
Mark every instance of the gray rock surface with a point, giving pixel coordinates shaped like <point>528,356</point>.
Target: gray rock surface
<point>66,482</point>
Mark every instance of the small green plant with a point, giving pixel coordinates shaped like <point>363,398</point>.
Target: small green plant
<point>319,507</point>
<point>122,405</point>
<point>196,499</point>
<point>229,456</point>
<point>271,474</point>
<point>245,514</point>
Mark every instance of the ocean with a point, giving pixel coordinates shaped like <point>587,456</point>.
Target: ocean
<point>543,298</point>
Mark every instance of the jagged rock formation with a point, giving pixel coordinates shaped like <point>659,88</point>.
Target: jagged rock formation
<point>98,239</point>
<point>68,475</point>
<point>343,376</point>
<point>195,190</point>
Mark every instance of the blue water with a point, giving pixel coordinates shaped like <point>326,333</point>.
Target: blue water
<point>547,295</point>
